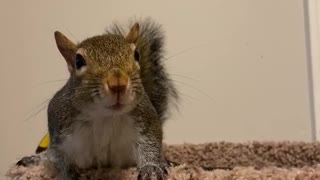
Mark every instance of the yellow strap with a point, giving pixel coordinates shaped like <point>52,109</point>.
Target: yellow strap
<point>44,143</point>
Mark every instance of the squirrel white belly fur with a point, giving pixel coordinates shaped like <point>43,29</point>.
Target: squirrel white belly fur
<point>103,141</point>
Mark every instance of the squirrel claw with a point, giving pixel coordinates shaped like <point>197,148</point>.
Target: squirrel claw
<point>147,171</point>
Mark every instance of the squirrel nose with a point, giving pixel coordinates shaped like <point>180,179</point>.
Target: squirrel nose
<point>117,82</point>
<point>117,89</point>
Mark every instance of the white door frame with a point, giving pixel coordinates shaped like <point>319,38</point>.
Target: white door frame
<point>312,29</point>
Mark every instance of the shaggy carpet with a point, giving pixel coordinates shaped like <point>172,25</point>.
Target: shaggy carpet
<point>221,161</point>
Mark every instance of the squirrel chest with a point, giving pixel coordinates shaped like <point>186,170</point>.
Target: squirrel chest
<point>99,138</point>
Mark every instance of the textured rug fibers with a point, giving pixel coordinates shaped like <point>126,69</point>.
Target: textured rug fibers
<point>221,161</point>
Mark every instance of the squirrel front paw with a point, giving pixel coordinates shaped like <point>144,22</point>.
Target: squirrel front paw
<point>152,170</point>
<point>29,161</point>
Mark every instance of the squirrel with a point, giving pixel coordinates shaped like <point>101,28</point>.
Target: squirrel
<point>111,111</point>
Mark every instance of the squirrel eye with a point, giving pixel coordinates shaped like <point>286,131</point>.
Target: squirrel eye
<point>80,62</point>
<point>136,56</point>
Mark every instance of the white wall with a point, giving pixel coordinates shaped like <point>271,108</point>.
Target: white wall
<point>313,39</point>
<point>247,69</point>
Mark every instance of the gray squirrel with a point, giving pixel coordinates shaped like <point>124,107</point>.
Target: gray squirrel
<point>111,111</point>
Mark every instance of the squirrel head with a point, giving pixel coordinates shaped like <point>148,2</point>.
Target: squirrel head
<point>105,67</point>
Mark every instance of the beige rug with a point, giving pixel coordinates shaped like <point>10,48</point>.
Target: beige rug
<point>221,161</point>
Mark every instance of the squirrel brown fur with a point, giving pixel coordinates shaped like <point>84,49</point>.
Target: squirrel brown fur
<point>111,111</point>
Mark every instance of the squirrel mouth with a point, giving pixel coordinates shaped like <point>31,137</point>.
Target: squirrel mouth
<point>117,106</point>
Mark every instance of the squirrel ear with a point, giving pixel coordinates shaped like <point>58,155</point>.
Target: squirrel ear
<point>132,36</point>
<point>66,47</point>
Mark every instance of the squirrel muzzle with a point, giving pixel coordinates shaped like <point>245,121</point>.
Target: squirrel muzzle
<point>117,82</point>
